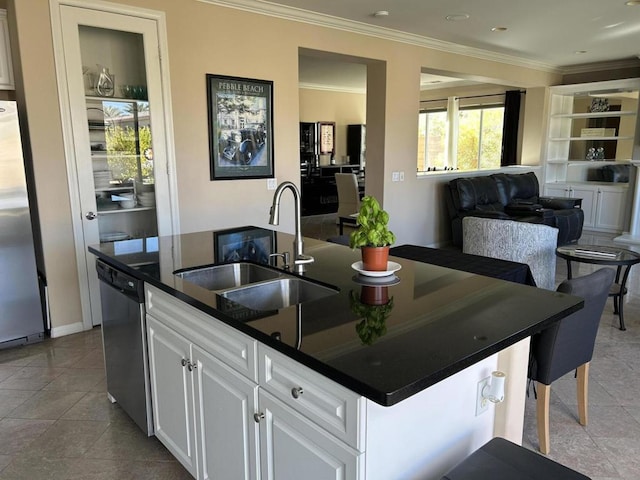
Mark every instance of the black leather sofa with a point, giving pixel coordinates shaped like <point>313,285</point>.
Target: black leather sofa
<point>511,197</point>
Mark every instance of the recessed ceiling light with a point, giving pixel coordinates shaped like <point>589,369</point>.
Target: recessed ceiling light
<point>381,13</point>
<point>632,3</point>
<point>457,17</point>
<point>499,29</point>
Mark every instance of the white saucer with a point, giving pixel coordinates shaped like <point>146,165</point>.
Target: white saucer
<point>388,281</point>
<point>392,267</point>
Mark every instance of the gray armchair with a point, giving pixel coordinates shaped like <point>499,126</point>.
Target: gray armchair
<point>568,345</point>
<point>530,243</point>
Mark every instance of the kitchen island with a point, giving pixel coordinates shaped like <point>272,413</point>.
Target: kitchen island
<point>313,390</point>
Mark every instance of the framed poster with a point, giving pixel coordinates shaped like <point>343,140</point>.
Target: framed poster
<point>240,127</point>
<point>244,244</point>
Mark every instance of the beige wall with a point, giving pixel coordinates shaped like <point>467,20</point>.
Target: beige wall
<point>203,38</point>
<point>340,107</point>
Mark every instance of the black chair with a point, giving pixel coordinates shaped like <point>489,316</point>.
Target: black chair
<point>568,345</point>
<point>500,459</point>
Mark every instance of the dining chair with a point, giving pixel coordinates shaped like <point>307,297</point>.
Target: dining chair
<point>530,243</point>
<point>348,194</point>
<point>568,345</point>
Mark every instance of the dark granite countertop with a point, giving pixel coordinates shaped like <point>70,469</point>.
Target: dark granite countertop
<point>440,322</point>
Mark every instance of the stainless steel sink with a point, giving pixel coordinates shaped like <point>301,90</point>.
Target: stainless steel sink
<point>230,275</point>
<point>276,294</point>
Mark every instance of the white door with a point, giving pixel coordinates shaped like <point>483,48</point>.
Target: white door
<point>172,392</point>
<point>588,195</point>
<point>226,430</point>
<point>293,447</point>
<point>611,208</point>
<point>557,190</point>
<point>115,134</point>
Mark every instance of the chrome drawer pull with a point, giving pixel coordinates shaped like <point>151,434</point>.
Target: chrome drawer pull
<point>258,416</point>
<point>184,362</point>
<point>191,366</point>
<point>296,392</point>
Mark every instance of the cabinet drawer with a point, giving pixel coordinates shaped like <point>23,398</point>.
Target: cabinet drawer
<point>222,341</point>
<point>331,406</point>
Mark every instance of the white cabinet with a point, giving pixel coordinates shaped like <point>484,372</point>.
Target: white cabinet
<point>201,407</point>
<point>611,208</point>
<point>6,68</point>
<point>210,412</point>
<point>604,206</point>
<point>589,197</point>
<point>584,119</point>
<point>172,392</point>
<point>224,408</point>
<point>291,446</point>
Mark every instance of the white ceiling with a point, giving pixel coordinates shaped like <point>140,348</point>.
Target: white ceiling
<point>545,34</point>
<point>542,31</point>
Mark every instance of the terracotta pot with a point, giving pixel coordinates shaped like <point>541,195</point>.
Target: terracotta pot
<point>374,295</point>
<point>375,259</point>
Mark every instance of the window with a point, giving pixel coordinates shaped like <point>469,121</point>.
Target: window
<point>478,138</point>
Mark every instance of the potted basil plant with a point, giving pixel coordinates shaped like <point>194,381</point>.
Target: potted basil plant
<point>372,235</point>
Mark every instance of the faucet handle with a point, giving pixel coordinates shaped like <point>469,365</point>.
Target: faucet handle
<point>285,259</point>
<point>303,260</point>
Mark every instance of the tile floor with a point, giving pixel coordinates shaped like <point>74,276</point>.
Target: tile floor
<point>56,424</point>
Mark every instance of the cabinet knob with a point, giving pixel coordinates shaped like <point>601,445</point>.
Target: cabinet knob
<point>191,366</point>
<point>184,362</point>
<point>296,392</point>
<point>258,416</point>
<point>90,216</point>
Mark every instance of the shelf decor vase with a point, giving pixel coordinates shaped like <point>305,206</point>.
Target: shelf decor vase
<point>105,83</point>
<point>375,259</point>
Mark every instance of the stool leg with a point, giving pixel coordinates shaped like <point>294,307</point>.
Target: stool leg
<point>583,391</point>
<point>542,411</point>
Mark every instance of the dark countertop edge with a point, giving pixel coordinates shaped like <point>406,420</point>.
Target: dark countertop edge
<point>381,398</point>
<point>409,390</point>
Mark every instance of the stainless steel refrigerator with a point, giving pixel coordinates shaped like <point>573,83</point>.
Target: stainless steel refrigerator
<point>21,316</point>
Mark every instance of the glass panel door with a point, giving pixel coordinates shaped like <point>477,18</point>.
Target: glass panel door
<point>120,140</point>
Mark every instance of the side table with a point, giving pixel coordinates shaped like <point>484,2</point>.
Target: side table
<point>600,255</point>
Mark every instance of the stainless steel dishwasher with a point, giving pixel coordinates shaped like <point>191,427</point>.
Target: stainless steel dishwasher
<point>125,344</point>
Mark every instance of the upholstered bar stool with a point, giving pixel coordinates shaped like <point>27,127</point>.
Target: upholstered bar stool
<point>500,459</point>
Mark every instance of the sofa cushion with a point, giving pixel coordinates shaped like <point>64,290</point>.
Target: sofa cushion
<point>517,187</point>
<point>478,193</point>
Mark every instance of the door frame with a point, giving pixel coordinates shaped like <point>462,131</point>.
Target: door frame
<point>85,275</point>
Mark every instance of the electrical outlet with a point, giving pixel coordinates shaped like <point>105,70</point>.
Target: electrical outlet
<point>402,176</point>
<point>272,183</point>
<point>482,404</point>
<point>395,176</point>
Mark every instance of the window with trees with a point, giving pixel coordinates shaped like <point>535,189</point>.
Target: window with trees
<point>468,140</point>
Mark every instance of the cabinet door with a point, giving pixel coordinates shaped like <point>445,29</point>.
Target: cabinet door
<point>557,190</point>
<point>226,431</point>
<point>610,211</point>
<point>293,447</point>
<point>172,392</point>
<point>588,194</point>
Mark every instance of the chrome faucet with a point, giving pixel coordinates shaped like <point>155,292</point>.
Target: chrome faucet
<point>300,260</point>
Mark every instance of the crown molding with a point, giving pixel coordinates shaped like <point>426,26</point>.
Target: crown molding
<point>263,7</point>
<point>601,66</point>
<point>329,88</point>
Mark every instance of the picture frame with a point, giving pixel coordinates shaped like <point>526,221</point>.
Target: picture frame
<point>251,244</point>
<point>240,113</point>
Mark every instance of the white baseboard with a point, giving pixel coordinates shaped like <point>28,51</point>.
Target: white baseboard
<point>67,329</point>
